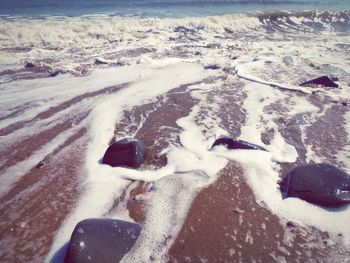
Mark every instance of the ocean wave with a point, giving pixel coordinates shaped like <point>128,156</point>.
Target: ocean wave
<point>325,20</point>
<point>70,41</point>
<point>14,29</point>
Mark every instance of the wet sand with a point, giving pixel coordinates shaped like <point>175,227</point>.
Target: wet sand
<point>32,210</point>
<point>224,223</point>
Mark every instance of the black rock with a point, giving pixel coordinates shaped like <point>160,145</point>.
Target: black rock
<point>57,72</point>
<point>29,65</point>
<point>119,64</point>
<point>40,164</point>
<point>325,81</point>
<point>101,240</point>
<point>237,144</point>
<point>213,67</point>
<point>99,61</point>
<point>321,184</point>
<point>127,152</point>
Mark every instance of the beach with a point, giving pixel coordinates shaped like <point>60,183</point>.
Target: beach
<point>69,86</point>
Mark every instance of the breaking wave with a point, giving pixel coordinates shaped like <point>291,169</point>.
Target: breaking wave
<point>63,31</point>
<point>69,42</point>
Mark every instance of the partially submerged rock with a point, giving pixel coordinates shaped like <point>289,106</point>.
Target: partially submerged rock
<point>326,81</point>
<point>321,184</point>
<point>58,72</point>
<point>40,164</point>
<point>127,152</point>
<point>232,144</point>
<point>101,61</point>
<point>101,240</point>
<point>29,65</point>
<point>212,67</point>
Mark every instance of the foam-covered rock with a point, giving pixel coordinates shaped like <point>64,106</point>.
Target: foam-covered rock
<point>127,152</point>
<point>101,240</point>
<point>325,81</point>
<point>321,184</point>
<point>232,144</point>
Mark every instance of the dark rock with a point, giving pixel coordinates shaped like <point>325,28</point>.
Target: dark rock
<point>213,67</point>
<point>344,103</point>
<point>312,65</point>
<point>29,65</point>
<point>127,152</point>
<point>213,46</point>
<point>228,31</point>
<point>326,81</point>
<point>40,164</point>
<point>119,64</point>
<point>321,184</point>
<point>101,240</point>
<point>57,72</point>
<point>100,61</point>
<point>291,224</point>
<point>237,144</point>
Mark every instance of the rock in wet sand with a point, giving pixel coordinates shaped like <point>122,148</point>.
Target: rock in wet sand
<point>128,152</point>
<point>101,61</point>
<point>325,81</point>
<point>57,72</point>
<point>101,240</point>
<point>212,67</point>
<point>29,65</point>
<point>321,184</point>
<point>233,144</point>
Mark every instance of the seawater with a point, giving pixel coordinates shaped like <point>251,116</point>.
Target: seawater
<point>160,8</point>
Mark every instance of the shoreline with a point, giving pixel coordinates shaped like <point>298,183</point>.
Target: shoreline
<point>169,16</point>
<point>176,88</point>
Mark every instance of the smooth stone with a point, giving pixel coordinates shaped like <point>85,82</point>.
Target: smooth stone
<point>325,81</point>
<point>101,61</point>
<point>57,72</point>
<point>127,152</point>
<point>101,240</point>
<point>212,67</point>
<point>40,164</point>
<point>321,184</point>
<point>29,65</point>
<point>232,144</point>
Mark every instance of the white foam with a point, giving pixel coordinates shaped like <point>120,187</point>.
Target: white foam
<point>243,72</point>
<point>263,176</point>
<point>196,167</point>
<point>103,183</point>
<point>344,154</point>
<point>72,42</point>
<point>50,92</point>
